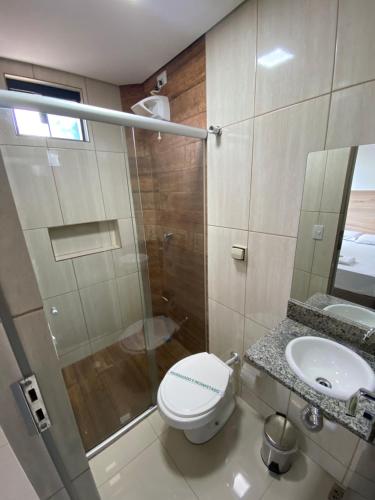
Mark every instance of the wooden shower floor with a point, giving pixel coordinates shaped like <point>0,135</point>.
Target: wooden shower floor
<point>112,386</point>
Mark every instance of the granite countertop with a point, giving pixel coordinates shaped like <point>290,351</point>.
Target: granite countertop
<point>268,354</point>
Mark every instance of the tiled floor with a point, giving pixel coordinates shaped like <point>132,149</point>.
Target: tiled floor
<point>155,462</point>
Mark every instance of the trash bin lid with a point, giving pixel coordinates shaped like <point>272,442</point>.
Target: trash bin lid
<point>280,432</point>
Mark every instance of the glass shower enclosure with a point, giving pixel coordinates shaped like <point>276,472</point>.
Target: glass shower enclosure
<point>115,228</point>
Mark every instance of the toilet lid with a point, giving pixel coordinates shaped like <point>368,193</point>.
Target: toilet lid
<point>195,384</point>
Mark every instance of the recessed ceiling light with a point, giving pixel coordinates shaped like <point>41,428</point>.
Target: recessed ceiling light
<point>274,58</point>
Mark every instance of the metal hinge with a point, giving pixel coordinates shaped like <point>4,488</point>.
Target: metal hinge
<point>32,405</point>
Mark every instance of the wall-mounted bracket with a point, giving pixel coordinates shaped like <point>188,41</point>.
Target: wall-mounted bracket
<point>215,129</point>
<point>32,405</point>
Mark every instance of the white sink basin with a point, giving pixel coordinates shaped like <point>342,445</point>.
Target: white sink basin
<point>353,313</point>
<point>329,367</point>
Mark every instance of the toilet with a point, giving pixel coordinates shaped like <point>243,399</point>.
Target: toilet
<point>197,396</point>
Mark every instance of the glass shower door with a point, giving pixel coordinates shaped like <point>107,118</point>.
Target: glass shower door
<point>114,226</point>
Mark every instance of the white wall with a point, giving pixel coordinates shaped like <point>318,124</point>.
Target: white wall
<point>272,118</point>
<point>364,172</point>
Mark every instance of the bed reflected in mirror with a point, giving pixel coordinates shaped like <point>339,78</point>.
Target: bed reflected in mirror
<point>335,252</point>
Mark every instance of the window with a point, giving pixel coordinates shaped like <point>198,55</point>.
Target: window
<point>45,124</point>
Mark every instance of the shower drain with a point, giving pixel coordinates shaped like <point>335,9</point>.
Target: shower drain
<point>324,382</point>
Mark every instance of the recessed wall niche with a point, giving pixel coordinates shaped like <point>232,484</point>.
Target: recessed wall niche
<point>76,240</point>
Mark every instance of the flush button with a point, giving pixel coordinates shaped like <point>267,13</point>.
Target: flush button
<point>238,252</point>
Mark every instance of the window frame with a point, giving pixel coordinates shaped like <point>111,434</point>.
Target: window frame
<point>83,123</point>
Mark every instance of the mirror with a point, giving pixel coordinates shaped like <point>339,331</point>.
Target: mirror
<point>335,253</point>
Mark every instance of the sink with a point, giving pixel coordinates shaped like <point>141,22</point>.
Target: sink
<point>329,367</point>
<point>353,313</point>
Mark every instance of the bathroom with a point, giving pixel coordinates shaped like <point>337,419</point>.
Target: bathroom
<point>178,180</point>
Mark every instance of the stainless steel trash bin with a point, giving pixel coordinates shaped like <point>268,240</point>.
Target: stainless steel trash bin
<point>279,443</point>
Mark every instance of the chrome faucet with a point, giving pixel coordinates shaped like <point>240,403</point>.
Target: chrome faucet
<point>352,403</point>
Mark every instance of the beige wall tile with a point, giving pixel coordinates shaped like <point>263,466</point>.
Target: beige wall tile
<point>16,273</point>
<point>14,68</point>
<point>68,326</point>
<point>77,354</point>
<point>261,408</point>
<point>78,186</point>
<point>108,137</point>
<point>253,332</point>
<point>229,174</point>
<point>282,141</point>
<point>333,438</point>
<point>54,278</point>
<point>226,330</point>
<point>14,482</point>
<point>269,391</point>
<point>130,299</point>
<point>300,285</point>
<point>125,258</point>
<point>314,179</point>
<point>33,186</point>
<point>101,308</point>
<point>324,248</point>
<point>315,481</point>
<point>226,276</point>
<point>355,43</point>
<point>317,284</point>
<point>230,49</point>
<point>91,269</point>
<point>104,341</point>
<point>305,242</point>
<point>306,30</point>
<point>334,180</point>
<point>104,95</point>
<point>364,460</point>
<point>360,484</point>
<point>114,184</point>
<point>269,278</point>
<point>351,119</point>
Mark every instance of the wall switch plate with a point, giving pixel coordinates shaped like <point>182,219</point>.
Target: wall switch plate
<point>161,79</point>
<point>317,232</point>
<point>238,252</point>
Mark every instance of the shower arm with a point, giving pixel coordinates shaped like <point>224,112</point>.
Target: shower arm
<point>32,102</point>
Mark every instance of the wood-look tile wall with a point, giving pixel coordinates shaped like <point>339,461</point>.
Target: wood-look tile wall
<point>171,178</point>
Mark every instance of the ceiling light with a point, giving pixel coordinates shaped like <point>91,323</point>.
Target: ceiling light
<point>274,58</point>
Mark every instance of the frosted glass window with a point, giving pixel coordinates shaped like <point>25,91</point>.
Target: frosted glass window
<point>44,124</point>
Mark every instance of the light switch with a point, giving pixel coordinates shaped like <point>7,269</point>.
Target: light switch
<point>238,252</point>
<point>317,232</point>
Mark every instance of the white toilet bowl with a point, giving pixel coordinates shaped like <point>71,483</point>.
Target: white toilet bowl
<point>197,396</point>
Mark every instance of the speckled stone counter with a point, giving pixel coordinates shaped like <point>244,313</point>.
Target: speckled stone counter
<point>268,354</point>
<point>348,331</point>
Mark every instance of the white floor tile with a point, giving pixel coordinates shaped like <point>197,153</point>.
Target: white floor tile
<point>105,465</point>
<point>304,481</point>
<point>151,476</point>
<point>227,467</point>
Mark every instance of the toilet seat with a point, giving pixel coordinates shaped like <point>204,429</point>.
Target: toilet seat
<point>194,386</point>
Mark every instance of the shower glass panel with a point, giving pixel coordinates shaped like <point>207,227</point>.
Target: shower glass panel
<point>115,231</point>
<point>168,176</point>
